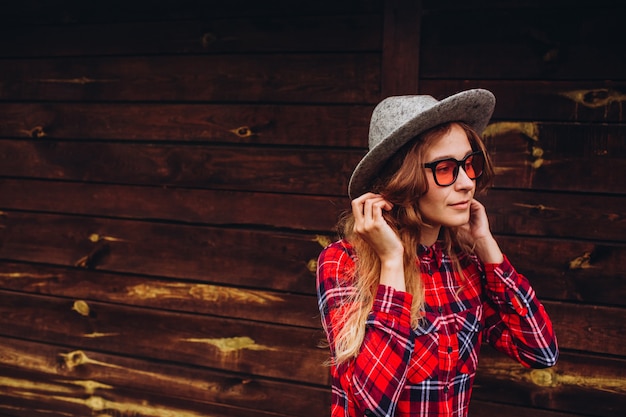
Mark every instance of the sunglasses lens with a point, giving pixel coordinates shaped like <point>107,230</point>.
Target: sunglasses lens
<point>474,165</point>
<point>446,172</point>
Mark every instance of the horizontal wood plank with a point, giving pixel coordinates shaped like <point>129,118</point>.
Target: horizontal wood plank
<point>326,78</point>
<point>510,212</point>
<point>549,162</point>
<point>535,43</point>
<point>293,125</point>
<point>31,12</point>
<point>431,6</point>
<point>250,35</point>
<point>162,294</point>
<point>287,170</point>
<point>574,158</point>
<point>600,333</point>
<point>248,258</point>
<point>522,212</point>
<point>580,384</point>
<point>245,347</point>
<point>479,408</point>
<point>540,101</point>
<point>31,368</point>
<point>589,328</point>
<point>581,271</point>
<point>191,206</point>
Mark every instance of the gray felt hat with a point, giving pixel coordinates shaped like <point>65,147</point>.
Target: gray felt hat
<point>396,120</point>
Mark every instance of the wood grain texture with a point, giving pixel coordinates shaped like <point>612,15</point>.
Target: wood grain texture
<point>33,370</point>
<point>540,101</point>
<point>198,36</point>
<point>249,258</point>
<point>541,43</point>
<point>325,78</point>
<point>175,204</point>
<point>162,294</point>
<point>265,169</point>
<point>581,271</point>
<point>401,43</point>
<point>169,172</point>
<point>78,12</point>
<point>246,347</point>
<point>201,124</point>
<point>579,384</point>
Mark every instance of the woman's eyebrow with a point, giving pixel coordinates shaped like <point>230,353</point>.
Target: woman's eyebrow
<point>439,158</point>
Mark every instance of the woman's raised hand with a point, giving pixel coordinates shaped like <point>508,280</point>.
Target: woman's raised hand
<point>478,229</point>
<point>372,227</point>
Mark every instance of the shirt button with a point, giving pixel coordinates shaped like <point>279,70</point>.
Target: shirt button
<point>445,389</point>
<point>449,349</point>
<point>369,413</point>
<point>440,309</point>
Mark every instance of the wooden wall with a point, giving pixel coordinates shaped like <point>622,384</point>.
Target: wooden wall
<point>559,200</point>
<point>170,170</point>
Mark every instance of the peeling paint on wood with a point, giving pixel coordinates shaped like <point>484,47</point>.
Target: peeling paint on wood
<point>24,384</point>
<point>598,98</point>
<point>26,275</point>
<point>94,237</point>
<point>528,129</point>
<point>204,292</point>
<point>90,386</point>
<point>322,240</point>
<point>81,307</point>
<point>581,262</point>
<point>551,377</point>
<point>231,344</point>
<point>539,207</point>
<point>96,335</point>
<point>79,80</point>
<point>98,404</point>
<point>78,358</point>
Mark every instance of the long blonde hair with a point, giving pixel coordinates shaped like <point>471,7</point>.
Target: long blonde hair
<point>402,182</point>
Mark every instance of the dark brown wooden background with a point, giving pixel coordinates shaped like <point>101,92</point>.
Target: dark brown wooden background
<point>169,171</point>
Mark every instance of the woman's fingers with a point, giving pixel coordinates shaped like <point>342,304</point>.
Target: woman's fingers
<point>368,200</point>
<point>370,224</point>
<point>368,214</point>
<point>369,207</point>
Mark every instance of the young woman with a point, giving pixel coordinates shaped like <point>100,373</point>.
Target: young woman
<point>418,281</point>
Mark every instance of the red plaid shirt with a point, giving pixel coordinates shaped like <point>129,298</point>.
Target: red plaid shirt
<point>429,371</point>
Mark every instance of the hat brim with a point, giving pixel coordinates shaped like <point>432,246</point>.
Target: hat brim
<point>473,107</point>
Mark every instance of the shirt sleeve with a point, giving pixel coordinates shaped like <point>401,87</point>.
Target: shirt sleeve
<point>374,379</point>
<point>516,323</point>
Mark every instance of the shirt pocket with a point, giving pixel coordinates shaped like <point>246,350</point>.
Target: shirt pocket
<point>469,333</point>
<point>424,360</point>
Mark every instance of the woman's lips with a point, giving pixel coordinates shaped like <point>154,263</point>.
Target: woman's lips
<point>461,205</point>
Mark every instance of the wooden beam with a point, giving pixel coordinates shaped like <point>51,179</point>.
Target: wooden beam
<point>401,40</point>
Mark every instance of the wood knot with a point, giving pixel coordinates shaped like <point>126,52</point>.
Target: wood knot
<point>74,359</point>
<point>243,131</point>
<point>37,132</point>
<point>543,377</point>
<point>207,39</point>
<point>581,262</point>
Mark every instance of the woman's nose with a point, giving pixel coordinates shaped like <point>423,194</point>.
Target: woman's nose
<point>463,182</point>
